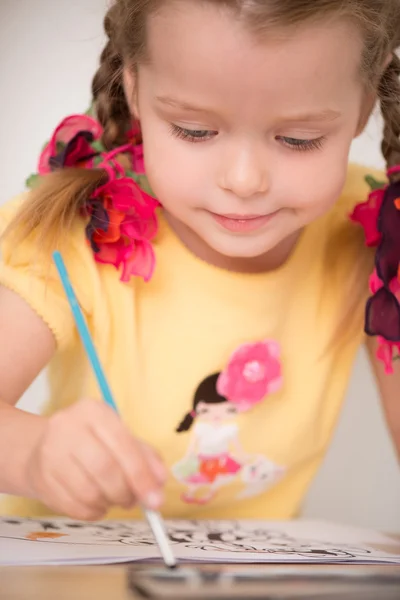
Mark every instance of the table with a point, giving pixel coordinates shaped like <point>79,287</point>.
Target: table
<point>112,583</point>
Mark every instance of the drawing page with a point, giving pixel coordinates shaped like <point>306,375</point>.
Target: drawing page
<point>63,541</point>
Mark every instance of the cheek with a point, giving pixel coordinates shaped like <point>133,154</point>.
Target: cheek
<point>175,169</point>
<point>315,183</point>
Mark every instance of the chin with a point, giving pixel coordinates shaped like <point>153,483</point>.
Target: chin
<point>241,248</point>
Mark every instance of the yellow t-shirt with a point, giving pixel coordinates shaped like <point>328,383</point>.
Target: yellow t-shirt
<point>160,343</point>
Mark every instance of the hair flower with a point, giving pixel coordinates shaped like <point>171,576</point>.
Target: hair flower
<point>380,218</point>
<point>121,226</point>
<point>122,216</point>
<point>70,144</point>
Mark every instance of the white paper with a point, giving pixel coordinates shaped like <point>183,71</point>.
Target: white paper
<point>65,542</point>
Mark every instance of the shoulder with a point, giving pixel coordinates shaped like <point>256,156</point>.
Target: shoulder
<point>19,249</point>
<point>29,271</point>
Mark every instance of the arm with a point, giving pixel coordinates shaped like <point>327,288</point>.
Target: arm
<point>26,346</point>
<point>39,456</point>
<point>389,389</point>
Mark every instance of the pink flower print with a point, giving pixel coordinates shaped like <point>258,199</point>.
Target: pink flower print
<point>253,372</point>
<point>367,213</point>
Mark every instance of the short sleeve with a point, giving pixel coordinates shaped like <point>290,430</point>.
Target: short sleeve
<point>26,270</point>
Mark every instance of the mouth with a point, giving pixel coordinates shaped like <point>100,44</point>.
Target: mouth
<point>242,223</point>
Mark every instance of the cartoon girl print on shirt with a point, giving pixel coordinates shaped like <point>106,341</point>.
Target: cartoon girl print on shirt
<point>215,456</point>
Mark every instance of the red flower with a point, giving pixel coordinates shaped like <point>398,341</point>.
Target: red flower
<point>386,353</point>
<point>367,213</point>
<point>70,143</point>
<point>135,139</point>
<point>122,218</point>
<point>124,239</point>
<point>253,372</point>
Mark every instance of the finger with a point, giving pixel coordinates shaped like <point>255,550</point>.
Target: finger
<point>128,453</point>
<point>155,463</point>
<point>106,475</point>
<point>66,498</point>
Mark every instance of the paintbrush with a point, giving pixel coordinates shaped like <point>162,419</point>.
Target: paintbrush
<point>154,518</point>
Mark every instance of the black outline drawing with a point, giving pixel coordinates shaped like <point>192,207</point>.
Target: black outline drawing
<point>203,536</point>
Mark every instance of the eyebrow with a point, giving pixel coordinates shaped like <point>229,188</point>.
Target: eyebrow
<point>321,116</point>
<point>174,103</point>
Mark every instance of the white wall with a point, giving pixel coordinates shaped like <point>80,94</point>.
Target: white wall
<point>48,53</point>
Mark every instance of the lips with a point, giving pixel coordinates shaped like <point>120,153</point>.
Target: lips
<point>242,223</point>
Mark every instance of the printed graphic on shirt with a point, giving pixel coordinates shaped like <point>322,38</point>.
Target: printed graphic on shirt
<point>215,456</point>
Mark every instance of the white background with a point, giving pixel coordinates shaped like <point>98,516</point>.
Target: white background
<point>48,53</point>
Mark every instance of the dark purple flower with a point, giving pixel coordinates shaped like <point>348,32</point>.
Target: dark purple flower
<point>77,152</point>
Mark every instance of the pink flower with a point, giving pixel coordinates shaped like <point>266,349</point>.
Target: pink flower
<point>135,139</point>
<point>136,258</point>
<point>385,353</point>
<point>68,131</point>
<point>253,372</point>
<point>138,160</point>
<point>375,284</point>
<point>386,348</point>
<point>367,214</point>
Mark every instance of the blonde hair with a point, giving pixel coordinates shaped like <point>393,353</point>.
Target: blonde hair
<point>54,204</point>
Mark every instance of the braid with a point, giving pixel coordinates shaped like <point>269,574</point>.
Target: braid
<point>108,90</point>
<point>389,94</point>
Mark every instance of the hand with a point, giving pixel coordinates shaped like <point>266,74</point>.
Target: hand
<point>86,461</point>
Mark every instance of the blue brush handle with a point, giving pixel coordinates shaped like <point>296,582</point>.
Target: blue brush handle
<point>154,518</point>
<point>84,331</point>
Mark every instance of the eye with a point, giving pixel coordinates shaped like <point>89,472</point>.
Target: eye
<point>300,145</point>
<point>192,135</point>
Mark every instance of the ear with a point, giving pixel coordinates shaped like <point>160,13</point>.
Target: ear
<point>129,78</point>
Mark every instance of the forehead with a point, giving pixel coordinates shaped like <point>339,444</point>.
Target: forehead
<point>200,49</point>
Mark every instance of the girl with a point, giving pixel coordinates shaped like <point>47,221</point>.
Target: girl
<point>211,178</point>
<point>215,455</point>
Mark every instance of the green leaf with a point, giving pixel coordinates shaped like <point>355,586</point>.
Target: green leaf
<point>32,181</point>
<point>374,184</point>
<point>97,161</point>
<point>132,175</point>
<point>97,146</point>
<point>90,111</point>
<point>144,184</point>
<point>60,147</point>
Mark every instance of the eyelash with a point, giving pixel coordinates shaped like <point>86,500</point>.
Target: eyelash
<point>302,145</point>
<point>189,135</point>
<point>201,135</point>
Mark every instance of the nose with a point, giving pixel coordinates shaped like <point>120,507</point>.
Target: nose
<point>244,171</point>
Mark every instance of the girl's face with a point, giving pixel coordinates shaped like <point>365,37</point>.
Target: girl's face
<point>246,138</point>
<point>215,413</point>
